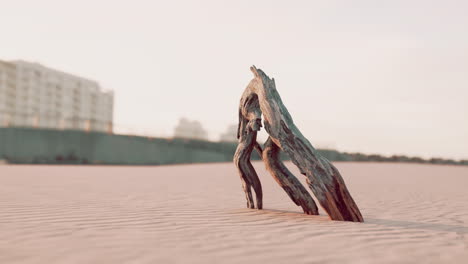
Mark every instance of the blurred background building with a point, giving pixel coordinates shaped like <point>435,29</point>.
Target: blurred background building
<point>230,135</point>
<point>32,95</point>
<point>45,113</point>
<point>190,130</point>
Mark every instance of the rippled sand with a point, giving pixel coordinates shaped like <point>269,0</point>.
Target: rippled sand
<point>196,214</point>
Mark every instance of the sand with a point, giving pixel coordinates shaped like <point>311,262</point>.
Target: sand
<point>195,214</point>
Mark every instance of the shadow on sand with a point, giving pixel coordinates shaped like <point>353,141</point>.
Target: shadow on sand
<point>418,225</point>
<point>400,224</point>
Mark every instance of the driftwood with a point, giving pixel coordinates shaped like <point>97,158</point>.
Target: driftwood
<point>261,98</point>
<point>291,185</point>
<point>249,124</point>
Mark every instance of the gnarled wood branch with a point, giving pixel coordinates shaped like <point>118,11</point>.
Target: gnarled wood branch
<point>249,124</point>
<point>261,97</point>
<point>286,179</point>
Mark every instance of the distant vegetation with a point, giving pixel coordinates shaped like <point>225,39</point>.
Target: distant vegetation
<point>345,156</point>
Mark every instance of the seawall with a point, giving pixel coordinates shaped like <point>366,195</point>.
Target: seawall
<point>27,145</point>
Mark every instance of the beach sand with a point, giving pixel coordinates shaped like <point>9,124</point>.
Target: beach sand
<point>196,214</point>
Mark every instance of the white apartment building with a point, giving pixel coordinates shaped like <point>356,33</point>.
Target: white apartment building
<point>190,130</point>
<point>32,95</point>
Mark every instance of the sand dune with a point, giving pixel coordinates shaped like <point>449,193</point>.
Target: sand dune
<point>196,214</point>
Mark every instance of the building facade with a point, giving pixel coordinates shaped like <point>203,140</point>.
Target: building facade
<point>32,95</point>
<point>190,130</point>
<point>230,135</point>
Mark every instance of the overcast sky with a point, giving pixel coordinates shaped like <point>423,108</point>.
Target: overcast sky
<point>388,77</point>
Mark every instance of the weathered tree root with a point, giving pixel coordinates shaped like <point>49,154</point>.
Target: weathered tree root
<point>286,179</point>
<point>261,97</point>
<point>249,124</point>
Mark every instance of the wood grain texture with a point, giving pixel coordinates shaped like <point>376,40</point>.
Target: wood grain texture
<point>249,124</point>
<point>323,178</point>
<point>291,185</point>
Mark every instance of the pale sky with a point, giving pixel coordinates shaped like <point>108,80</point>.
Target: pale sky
<point>387,77</point>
